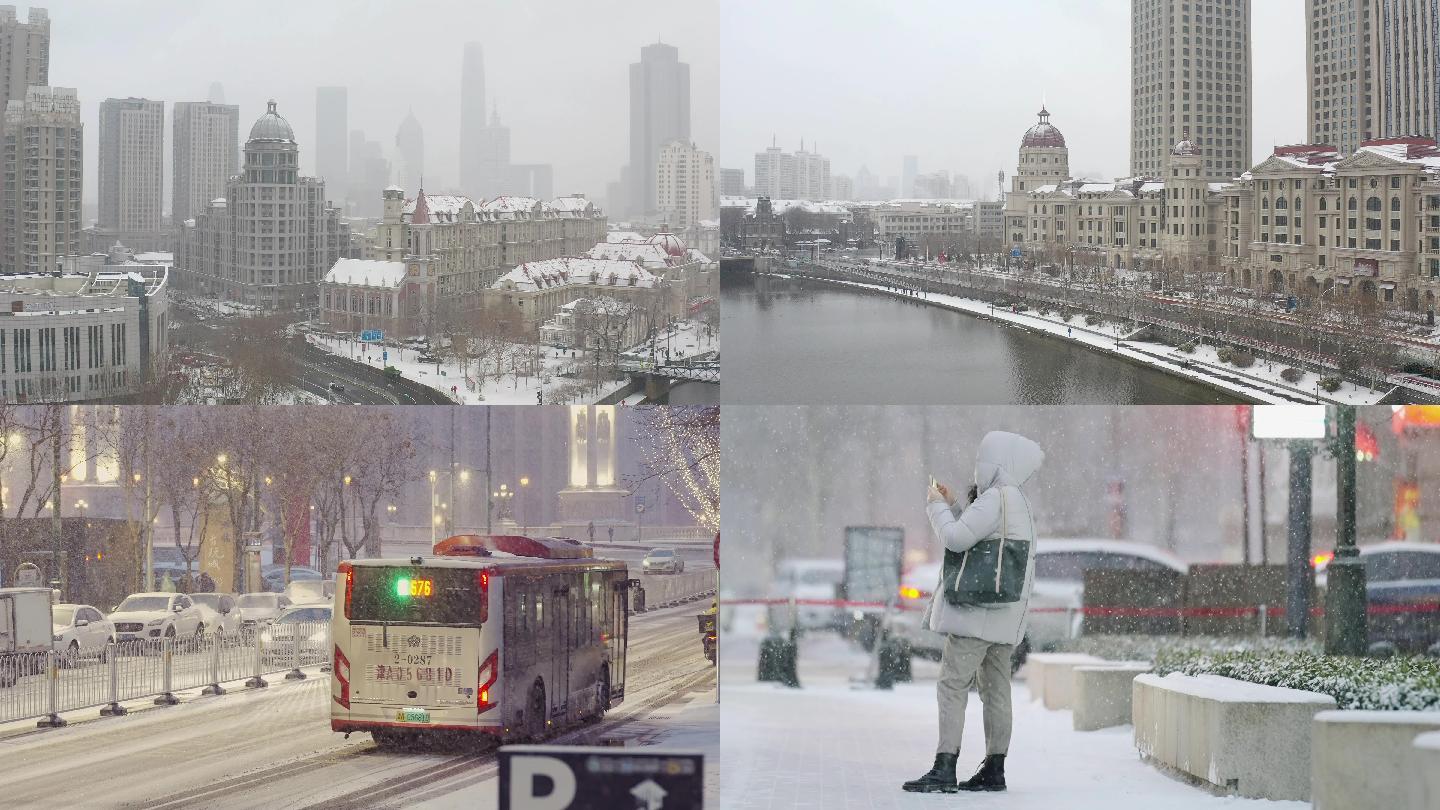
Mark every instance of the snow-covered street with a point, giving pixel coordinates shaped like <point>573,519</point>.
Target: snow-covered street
<point>273,747</point>
<point>840,745</point>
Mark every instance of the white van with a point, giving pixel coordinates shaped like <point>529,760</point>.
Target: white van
<point>808,579</point>
<point>25,632</point>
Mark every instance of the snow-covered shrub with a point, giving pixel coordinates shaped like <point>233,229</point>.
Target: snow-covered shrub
<point>1147,648</point>
<point>1402,682</point>
<point>1291,375</point>
<point>1094,320</point>
<point>1188,348</point>
<point>1331,384</point>
<point>1225,354</point>
<point>1242,359</point>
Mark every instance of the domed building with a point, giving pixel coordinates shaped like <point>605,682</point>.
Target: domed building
<point>272,237</point>
<point>1044,161</point>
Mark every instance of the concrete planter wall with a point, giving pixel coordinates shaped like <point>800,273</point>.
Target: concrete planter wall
<point>1239,737</point>
<point>1049,676</point>
<point>1102,694</point>
<point>1364,759</point>
<point>1425,767</point>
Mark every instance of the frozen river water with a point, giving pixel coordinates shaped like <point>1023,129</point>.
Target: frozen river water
<point>799,342</point>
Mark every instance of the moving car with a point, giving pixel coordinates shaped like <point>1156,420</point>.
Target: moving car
<point>156,615</point>
<point>261,608</point>
<point>274,575</point>
<point>79,631</point>
<point>311,591</point>
<point>662,561</point>
<point>222,613</point>
<point>808,579</point>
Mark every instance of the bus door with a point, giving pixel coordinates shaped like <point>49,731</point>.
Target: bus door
<point>561,647</point>
<point>619,632</point>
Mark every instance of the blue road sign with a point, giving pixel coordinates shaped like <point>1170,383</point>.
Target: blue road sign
<point>372,335</point>
<point>385,356</point>
<point>1015,253</point>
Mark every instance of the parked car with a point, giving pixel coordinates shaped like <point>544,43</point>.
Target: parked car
<point>261,608</point>
<point>156,615</point>
<point>1398,575</point>
<point>662,561</point>
<point>311,591</point>
<point>311,622</point>
<point>336,387</point>
<point>274,576</point>
<point>808,579</point>
<point>1058,589</point>
<point>222,613</point>
<point>80,631</point>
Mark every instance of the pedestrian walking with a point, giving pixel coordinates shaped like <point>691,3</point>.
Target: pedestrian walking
<point>205,583</point>
<point>611,530</point>
<point>981,603</point>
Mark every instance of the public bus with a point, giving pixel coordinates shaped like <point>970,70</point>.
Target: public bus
<point>516,638</point>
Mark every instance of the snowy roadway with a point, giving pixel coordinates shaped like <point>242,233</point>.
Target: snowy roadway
<point>273,747</point>
<point>834,745</point>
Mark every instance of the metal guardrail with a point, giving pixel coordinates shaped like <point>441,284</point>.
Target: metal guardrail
<point>42,685</point>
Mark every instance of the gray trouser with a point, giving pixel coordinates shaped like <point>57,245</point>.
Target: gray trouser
<point>965,661</point>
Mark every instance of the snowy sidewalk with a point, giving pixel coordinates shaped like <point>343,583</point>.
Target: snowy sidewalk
<point>834,746</point>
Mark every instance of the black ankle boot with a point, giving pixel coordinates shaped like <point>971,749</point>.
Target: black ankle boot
<point>940,779</point>
<point>991,775</point>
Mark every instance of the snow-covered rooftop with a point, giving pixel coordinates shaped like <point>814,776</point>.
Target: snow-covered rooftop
<point>573,204</point>
<point>367,273</point>
<point>442,207</point>
<point>623,236</point>
<point>549,273</point>
<point>511,205</point>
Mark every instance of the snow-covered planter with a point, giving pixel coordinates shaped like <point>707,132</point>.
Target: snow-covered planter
<point>1102,694</point>
<point>1355,683</point>
<point>1363,759</point>
<point>1147,647</point>
<point>1331,384</point>
<point>1049,676</point>
<point>1425,764</point>
<point>1242,359</point>
<point>1238,737</point>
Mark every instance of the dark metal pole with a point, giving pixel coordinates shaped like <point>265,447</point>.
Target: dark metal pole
<point>1345,598</point>
<point>1300,574</point>
<point>57,412</point>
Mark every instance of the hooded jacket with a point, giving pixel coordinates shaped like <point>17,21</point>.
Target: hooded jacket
<point>1004,462</point>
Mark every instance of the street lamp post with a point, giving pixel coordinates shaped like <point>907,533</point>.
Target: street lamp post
<point>1345,600</point>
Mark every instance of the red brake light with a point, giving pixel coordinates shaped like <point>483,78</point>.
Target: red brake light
<point>482,578</point>
<point>348,572</point>
<point>489,673</point>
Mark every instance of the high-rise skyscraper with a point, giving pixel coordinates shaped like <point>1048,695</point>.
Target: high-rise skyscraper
<point>732,182</point>
<point>1190,70</point>
<point>369,174</point>
<point>43,142</point>
<point>685,186</point>
<point>491,153</point>
<point>206,153</point>
<point>1371,70</point>
<point>24,52</point>
<point>216,94</point>
<point>473,146</point>
<point>410,145</point>
<point>659,114</point>
<point>132,161</point>
<point>332,133</point>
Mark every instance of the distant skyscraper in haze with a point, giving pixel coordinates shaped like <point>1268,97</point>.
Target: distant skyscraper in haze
<point>659,114</point>
<point>216,94</point>
<point>1190,72</point>
<point>1372,70</point>
<point>685,186</point>
<point>732,182</point>
<point>206,143</point>
<point>369,174</point>
<point>332,137</point>
<point>472,122</point>
<point>910,168</point>
<point>132,161</point>
<point>410,146</point>
<point>530,180</point>
<point>43,142</point>
<point>491,152</point>
<point>24,52</point>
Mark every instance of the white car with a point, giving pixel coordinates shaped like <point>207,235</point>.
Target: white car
<point>1058,591</point>
<point>261,608</point>
<point>156,615</point>
<point>80,631</point>
<point>222,613</point>
<point>808,579</point>
<point>310,591</point>
<point>312,622</point>
<point>662,560</point>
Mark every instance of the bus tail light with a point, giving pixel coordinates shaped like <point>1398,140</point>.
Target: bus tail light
<point>342,674</point>
<point>347,571</point>
<point>489,673</point>
<point>482,582</point>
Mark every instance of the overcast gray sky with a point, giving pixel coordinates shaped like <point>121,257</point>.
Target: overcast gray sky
<point>957,82</point>
<point>559,70</point>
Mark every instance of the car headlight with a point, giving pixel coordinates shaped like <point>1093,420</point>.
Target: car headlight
<point>57,638</point>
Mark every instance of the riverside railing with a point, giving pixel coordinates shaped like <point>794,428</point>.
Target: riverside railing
<point>43,685</point>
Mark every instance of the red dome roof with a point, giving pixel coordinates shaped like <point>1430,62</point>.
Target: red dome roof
<point>668,242</point>
<point>1043,134</point>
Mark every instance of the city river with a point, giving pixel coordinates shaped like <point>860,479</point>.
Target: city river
<point>806,342</point>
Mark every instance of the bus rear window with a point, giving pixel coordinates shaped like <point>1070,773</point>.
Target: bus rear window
<point>417,595</point>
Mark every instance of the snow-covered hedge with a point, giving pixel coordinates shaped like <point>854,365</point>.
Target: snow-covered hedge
<point>1147,648</point>
<point>1355,683</point>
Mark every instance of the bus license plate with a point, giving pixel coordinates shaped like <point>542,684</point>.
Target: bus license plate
<point>412,716</point>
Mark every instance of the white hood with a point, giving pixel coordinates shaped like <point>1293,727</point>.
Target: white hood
<point>1006,458</point>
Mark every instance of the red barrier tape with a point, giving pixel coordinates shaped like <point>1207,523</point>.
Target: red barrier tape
<point>1216,612</point>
